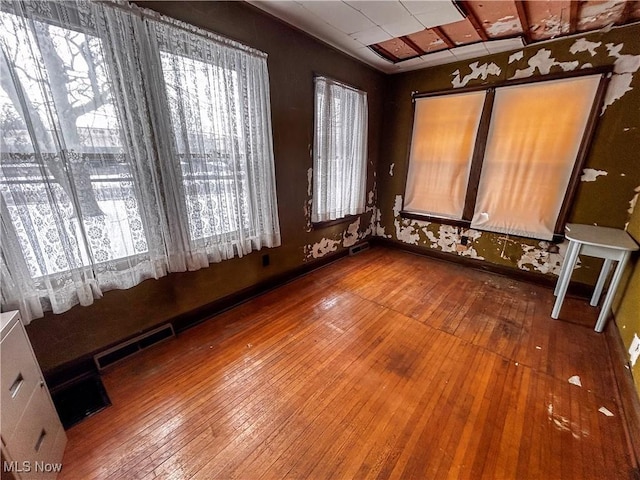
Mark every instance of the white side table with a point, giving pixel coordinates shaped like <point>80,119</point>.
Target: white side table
<point>611,244</point>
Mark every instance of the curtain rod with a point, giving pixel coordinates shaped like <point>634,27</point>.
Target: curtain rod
<point>149,14</point>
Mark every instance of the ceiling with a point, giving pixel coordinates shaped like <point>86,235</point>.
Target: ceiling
<point>403,35</point>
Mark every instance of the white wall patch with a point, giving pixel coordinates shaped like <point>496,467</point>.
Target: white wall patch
<point>634,201</point>
<point>350,237</point>
<point>542,62</point>
<point>324,246</point>
<point>477,71</point>
<point>584,45</point>
<point>575,380</point>
<point>590,174</point>
<point>634,350</point>
<point>404,231</point>
<point>514,57</point>
<point>605,411</point>
<point>623,69</point>
<point>391,169</point>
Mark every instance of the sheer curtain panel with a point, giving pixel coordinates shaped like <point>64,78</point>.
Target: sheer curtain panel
<point>340,151</point>
<point>112,167</point>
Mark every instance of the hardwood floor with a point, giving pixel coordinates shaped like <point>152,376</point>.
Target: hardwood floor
<point>381,365</point>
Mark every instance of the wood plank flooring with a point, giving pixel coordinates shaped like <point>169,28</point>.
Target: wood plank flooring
<point>381,365</point>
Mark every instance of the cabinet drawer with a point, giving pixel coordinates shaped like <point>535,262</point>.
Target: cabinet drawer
<point>37,434</point>
<point>19,377</point>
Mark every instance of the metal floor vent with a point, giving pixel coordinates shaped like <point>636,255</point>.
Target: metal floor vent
<point>361,247</point>
<point>134,345</point>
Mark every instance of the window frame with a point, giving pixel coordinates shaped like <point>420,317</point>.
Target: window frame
<point>482,136</point>
<point>351,216</point>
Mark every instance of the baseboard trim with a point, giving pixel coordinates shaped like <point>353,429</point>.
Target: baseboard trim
<point>575,289</point>
<point>85,366</point>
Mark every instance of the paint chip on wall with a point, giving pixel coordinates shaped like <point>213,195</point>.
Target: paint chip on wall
<point>584,45</point>
<point>391,169</point>
<point>634,350</point>
<point>591,174</point>
<point>514,57</point>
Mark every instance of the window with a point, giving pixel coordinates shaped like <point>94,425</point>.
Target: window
<point>502,159</point>
<point>340,151</point>
<point>131,146</point>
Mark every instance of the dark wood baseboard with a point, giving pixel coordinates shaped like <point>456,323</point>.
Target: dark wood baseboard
<point>575,289</point>
<point>84,366</point>
<point>628,395</point>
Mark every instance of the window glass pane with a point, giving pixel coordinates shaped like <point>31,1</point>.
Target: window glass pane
<point>204,101</point>
<point>444,135</point>
<point>62,151</point>
<point>533,141</point>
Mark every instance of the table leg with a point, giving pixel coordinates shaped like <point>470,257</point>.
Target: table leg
<point>565,278</point>
<point>564,270</point>
<point>606,267</point>
<point>617,275</point>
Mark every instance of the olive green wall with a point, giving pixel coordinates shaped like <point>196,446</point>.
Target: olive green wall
<point>614,151</point>
<point>293,58</point>
<point>627,311</point>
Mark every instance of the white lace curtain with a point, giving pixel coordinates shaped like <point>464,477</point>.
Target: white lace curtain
<point>131,146</point>
<point>340,151</point>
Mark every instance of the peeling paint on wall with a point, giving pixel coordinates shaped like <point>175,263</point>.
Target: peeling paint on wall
<point>584,45</point>
<point>514,57</point>
<point>634,201</point>
<point>404,231</point>
<point>634,350</point>
<point>623,69</point>
<point>540,259</point>
<point>350,236</point>
<point>477,71</point>
<point>543,62</point>
<point>391,169</point>
<point>591,174</point>
<point>321,248</point>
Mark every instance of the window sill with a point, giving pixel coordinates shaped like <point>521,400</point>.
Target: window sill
<point>330,223</point>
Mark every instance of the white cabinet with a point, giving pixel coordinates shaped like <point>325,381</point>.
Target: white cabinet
<point>33,439</point>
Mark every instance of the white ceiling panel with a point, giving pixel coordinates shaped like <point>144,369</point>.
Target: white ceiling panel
<point>340,15</point>
<point>371,36</point>
<point>434,13</point>
<point>380,12</point>
<point>469,51</point>
<point>504,45</point>
<point>403,27</point>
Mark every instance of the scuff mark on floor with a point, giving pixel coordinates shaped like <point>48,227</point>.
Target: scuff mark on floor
<point>564,424</point>
<point>591,174</point>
